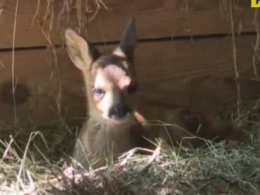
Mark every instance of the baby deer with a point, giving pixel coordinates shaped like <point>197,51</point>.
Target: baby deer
<point>114,124</point>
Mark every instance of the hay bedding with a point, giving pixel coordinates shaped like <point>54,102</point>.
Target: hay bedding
<point>34,166</point>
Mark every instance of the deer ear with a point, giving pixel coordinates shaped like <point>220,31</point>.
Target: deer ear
<point>128,41</point>
<point>79,50</point>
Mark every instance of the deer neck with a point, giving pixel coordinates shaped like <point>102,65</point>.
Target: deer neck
<point>110,138</point>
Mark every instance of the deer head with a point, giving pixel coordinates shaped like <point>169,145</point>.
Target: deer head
<point>110,79</point>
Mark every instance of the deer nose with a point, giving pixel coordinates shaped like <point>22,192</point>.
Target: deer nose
<point>119,111</point>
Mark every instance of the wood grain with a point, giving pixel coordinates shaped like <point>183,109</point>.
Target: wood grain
<point>155,19</point>
<point>198,74</point>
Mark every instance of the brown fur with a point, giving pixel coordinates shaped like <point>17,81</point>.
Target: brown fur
<point>99,142</point>
<point>187,127</point>
<point>101,137</point>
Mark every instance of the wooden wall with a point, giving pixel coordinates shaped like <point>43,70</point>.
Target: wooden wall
<point>185,55</point>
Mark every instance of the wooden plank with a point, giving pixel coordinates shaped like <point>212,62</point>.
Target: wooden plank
<point>34,71</point>
<point>210,94</point>
<point>197,74</point>
<point>155,19</point>
<point>192,73</point>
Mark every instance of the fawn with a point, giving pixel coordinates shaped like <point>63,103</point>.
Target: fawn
<point>114,123</point>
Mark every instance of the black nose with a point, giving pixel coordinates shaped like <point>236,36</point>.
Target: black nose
<point>119,111</point>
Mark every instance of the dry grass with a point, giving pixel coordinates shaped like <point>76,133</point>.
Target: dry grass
<point>31,163</point>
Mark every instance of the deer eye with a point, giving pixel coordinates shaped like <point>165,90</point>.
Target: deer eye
<point>98,92</point>
<point>132,88</point>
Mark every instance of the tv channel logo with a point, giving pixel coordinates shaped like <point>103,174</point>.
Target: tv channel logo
<point>255,3</point>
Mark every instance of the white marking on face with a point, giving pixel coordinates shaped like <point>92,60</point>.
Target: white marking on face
<point>111,97</point>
